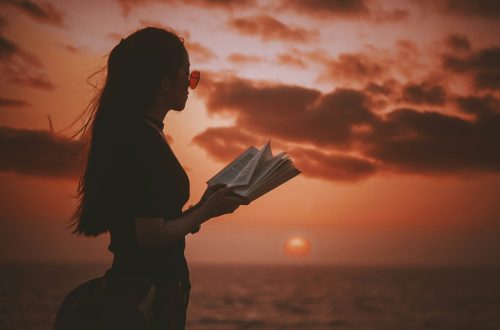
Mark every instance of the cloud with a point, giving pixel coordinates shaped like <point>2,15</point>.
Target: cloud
<point>269,29</point>
<point>331,166</point>
<point>199,52</point>
<point>3,23</point>
<point>369,65</point>
<point>343,128</point>
<point>354,9</point>
<point>426,142</point>
<point>424,93</point>
<point>6,102</point>
<point>478,8</point>
<point>71,48</point>
<point>483,66</point>
<point>40,11</point>
<point>396,15</point>
<point>458,42</point>
<point>22,68</point>
<point>39,152</point>
<point>241,59</point>
<point>226,143</point>
<point>129,5</point>
<point>224,4</point>
<point>299,58</point>
<point>290,112</point>
<point>481,8</point>
<point>287,59</point>
<point>328,9</point>
<point>354,67</point>
<point>485,106</point>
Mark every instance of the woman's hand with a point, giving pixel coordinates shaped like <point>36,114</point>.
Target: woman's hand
<point>221,201</point>
<point>210,191</point>
<point>206,195</point>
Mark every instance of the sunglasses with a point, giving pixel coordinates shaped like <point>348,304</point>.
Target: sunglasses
<point>194,79</point>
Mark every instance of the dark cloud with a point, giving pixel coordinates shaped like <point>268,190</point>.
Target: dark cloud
<point>354,9</point>
<point>424,93</point>
<point>129,5</point>
<point>342,136</point>
<point>331,166</point>
<point>483,66</point>
<point>481,8</point>
<point>290,112</point>
<point>269,29</point>
<point>3,23</point>
<point>387,88</point>
<point>468,8</point>
<point>355,68</point>
<point>6,102</point>
<point>482,106</point>
<point>226,143</point>
<point>396,15</point>
<point>328,9</point>
<point>7,48</point>
<point>40,11</point>
<point>39,152</point>
<point>412,141</point>
<point>35,79</point>
<point>458,42</point>
<point>369,65</point>
<point>224,4</point>
<point>21,67</point>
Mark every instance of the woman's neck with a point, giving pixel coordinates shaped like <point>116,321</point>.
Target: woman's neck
<point>156,113</point>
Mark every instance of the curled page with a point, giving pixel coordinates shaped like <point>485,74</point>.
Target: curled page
<point>231,171</point>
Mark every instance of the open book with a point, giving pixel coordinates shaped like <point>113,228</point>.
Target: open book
<point>256,172</point>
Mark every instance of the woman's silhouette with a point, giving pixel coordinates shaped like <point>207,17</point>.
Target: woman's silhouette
<point>134,187</point>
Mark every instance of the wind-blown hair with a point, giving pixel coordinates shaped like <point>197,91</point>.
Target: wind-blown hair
<point>134,70</point>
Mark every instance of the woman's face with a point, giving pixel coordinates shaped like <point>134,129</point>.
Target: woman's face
<point>179,89</point>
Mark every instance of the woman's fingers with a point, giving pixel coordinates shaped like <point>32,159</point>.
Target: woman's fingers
<point>217,186</point>
<point>237,200</point>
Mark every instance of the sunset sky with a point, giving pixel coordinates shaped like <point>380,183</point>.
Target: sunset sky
<point>391,110</point>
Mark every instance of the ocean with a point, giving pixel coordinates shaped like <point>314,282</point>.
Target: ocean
<point>284,297</point>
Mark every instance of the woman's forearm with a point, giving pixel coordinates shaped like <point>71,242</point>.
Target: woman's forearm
<point>153,233</point>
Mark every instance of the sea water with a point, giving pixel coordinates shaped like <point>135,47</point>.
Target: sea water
<point>229,297</point>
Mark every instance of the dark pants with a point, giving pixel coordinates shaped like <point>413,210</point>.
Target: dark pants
<point>132,304</point>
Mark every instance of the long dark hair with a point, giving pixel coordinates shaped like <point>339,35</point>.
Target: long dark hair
<point>134,71</point>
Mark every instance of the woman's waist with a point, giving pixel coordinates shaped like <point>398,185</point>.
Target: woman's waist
<point>171,266</point>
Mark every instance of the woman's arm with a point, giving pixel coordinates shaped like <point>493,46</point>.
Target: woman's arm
<point>155,233</point>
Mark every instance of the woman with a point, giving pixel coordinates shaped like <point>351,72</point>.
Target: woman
<point>134,187</point>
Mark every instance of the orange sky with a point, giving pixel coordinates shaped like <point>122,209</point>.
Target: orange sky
<point>391,109</point>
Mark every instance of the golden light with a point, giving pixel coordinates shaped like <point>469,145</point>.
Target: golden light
<point>297,246</point>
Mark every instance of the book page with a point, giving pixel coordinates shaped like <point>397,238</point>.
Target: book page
<point>231,171</point>
<point>264,169</point>
<point>244,177</point>
<point>278,169</point>
<point>290,173</point>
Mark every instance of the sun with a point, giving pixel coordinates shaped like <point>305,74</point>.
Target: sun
<point>297,246</point>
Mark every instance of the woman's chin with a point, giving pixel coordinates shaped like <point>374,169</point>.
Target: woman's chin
<point>179,107</point>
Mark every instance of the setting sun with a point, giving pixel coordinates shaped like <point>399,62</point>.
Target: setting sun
<point>297,246</point>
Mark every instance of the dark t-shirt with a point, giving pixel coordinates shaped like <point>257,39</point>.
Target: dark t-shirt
<point>146,180</point>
